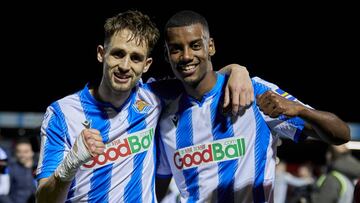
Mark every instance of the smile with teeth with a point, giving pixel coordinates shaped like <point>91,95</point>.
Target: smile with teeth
<point>188,67</point>
<point>121,77</point>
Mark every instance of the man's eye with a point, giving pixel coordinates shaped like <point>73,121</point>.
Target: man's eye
<point>136,58</point>
<point>118,54</point>
<point>196,46</point>
<point>174,51</point>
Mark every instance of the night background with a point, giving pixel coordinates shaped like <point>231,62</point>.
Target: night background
<point>309,50</point>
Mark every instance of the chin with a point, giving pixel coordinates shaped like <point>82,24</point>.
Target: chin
<point>191,81</point>
<point>121,87</point>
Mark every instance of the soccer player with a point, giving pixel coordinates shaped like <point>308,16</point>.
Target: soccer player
<point>219,158</point>
<point>97,144</point>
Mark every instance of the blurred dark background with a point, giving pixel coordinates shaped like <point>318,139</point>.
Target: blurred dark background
<point>309,50</point>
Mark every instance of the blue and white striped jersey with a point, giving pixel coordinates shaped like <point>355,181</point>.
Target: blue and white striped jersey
<point>213,157</point>
<point>125,173</point>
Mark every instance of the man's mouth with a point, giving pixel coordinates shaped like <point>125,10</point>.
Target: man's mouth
<point>121,78</point>
<point>188,69</point>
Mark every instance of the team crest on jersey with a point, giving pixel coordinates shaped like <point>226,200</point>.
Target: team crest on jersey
<point>217,151</point>
<point>141,106</point>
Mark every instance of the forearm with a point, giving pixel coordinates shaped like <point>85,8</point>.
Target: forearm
<point>52,190</point>
<point>325,125</point>
<point>55,188</point>
<point>227,69</point>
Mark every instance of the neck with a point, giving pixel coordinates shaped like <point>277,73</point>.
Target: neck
<point>205,85</point>
<point>106,94</point>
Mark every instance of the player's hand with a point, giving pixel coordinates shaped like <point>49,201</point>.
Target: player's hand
<point>274,105</point>
<point>93,141</point>
<point>87,145</point>
<point>239,92</point>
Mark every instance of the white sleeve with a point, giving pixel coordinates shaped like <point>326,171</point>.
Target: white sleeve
<point>282,126</point>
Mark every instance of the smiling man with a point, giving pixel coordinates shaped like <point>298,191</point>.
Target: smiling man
<point>218,158</point>
<point>97,144</point>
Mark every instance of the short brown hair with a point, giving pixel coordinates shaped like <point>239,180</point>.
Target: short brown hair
<point>143,29</point>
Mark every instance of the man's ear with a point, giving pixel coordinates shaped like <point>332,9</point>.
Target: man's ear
<point>147,64</point>
<point>100,53</point>
<point>211,47</point>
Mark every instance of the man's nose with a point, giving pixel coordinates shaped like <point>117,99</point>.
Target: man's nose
<point>187,55</point>
<point>124,64</point>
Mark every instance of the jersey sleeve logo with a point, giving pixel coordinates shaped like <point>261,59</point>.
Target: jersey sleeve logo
<point>121,148</point>
<point>285,94</point>
<point>217,151</point>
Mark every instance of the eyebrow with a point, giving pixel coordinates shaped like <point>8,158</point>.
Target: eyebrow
<point>196,40</point>
<point>117,49</point>
<point>191,42</point>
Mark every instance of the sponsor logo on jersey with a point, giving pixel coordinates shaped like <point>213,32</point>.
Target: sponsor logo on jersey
<point>217,151</point>
<point>121,148</point>
<point>141,106</point>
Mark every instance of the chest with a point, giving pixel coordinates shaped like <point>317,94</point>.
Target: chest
<point>206,124</point>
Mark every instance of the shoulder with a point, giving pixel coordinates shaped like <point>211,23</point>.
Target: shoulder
<point>261,83</point>
<point>261,86</point>
<point>59,106</point>
<point>14,166</point>
<point>57,109</point>
<point>165,88</point>
<point>70,101</point>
